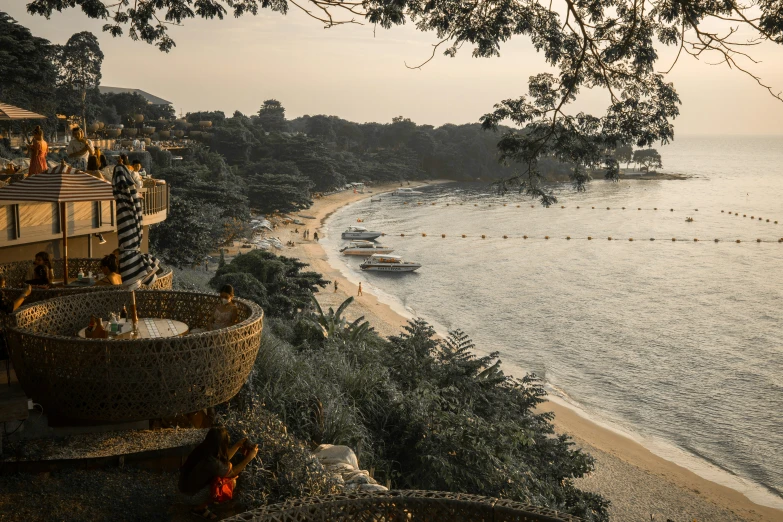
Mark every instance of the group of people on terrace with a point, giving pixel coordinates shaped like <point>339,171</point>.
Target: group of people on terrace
<point>81,153</point>
<point>43,272</point>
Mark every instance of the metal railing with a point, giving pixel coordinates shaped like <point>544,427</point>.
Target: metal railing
<point>156,199</point>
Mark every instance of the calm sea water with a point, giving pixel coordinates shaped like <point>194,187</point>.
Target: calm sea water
<point>677,343</point>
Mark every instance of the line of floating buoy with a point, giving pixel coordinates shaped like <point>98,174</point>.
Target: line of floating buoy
<point>590,238</point>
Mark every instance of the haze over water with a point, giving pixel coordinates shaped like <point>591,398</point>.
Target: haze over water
<point>678,343</point>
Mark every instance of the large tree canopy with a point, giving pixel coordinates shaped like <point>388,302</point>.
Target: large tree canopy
<point>605,44</point>
<point>27,74</point>
<point>79,61</point>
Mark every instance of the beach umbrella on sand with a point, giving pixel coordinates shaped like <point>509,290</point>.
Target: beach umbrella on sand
<point>136,268</point>
<point>61,184</point>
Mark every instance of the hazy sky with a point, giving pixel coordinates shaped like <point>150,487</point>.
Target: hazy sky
<point>347,71</point>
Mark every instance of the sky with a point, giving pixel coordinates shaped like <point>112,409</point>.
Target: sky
<point>360,75</point>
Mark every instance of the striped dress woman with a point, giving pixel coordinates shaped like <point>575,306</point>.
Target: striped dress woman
<point>136,268</point>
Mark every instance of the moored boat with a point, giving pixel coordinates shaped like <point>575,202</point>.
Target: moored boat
<point>388,263</point>
<point>364,248</point>
<point>359,233</point>
<point>406,192</point>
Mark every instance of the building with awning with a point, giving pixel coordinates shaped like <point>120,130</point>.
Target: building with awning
<point>32,221</point>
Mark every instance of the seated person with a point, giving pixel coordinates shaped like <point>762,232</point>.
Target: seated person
<point>8,305</point>
<point>93,168</point>
<point>226,313</point>
<point>110,272</point>
<point>210,460</point>
<point>102,163</point>
<point>42,273</point>
<point>139,168</point>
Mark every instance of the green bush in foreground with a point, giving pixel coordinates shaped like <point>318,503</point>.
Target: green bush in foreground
<point>424,413</point>
<point>420,411</point>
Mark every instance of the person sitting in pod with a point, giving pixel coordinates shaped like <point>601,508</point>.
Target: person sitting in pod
<point>111,276</point>
<point>226,313</point>
<point>42,272</point>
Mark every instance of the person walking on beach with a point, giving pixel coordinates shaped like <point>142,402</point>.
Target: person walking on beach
<point>359,293</point>
<point>335,287</point>
<point>315,236</point>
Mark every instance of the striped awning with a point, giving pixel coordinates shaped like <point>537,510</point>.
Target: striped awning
<point>9,112</point>
<point>58,185</point>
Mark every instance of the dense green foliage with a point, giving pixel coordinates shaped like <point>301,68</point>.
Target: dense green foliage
<point>27,73</point>
<point>423,412</point>
<point>79,62</point>
<point>647,158</point>
<point>277,283</point>
<point>208,207</point>
<point>284,468</point>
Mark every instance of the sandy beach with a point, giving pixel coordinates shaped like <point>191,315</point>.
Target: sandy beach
<point>639,483</point>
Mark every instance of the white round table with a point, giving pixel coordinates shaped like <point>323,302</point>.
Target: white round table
<point>149,328</point>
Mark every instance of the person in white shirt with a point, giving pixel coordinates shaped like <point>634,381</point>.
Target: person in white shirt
<point>79,149</point>
<point>139,168</point>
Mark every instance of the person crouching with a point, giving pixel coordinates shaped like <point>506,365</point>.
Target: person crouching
<point>208,476</point>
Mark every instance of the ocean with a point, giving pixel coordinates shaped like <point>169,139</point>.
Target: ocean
<point>676,343</point>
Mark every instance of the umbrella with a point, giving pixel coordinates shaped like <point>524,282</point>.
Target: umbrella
<point>61,184</point>
<point>9,112</point>
<point>135,267</point>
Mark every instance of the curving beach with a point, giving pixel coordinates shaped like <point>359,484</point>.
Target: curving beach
<point>638,482</point>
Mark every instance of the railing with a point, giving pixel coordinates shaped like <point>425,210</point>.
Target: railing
<point>17,272</point>
<point>156,199</point>
<point>402,506</point>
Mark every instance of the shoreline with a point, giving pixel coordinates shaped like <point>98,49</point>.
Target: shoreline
<point>638,482</point>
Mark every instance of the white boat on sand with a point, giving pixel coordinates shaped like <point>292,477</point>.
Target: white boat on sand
<point>359,233</point>
<point>364,248</point>
<point>388,263</point>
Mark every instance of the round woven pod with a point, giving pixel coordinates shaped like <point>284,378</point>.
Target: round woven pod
<point>401,505</point>
<point>17,272</point>
<point>129,380</point>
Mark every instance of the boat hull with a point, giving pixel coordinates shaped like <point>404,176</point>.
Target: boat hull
<point>378,267</point>
<point>361,235</point>
<point>366,252</point>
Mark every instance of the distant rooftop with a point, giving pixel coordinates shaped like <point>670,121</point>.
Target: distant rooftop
<point>151,99</point>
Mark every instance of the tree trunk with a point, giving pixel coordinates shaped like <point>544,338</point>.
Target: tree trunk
<point>84,111</point>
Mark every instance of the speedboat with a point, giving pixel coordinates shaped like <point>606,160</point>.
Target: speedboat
<point>406,192</point>
<point>364,248</point>
<point>388,263</point>
<point>359,233</point>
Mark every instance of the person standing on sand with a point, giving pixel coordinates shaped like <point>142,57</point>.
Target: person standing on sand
<point>315,236</point>
<point>359,293</point>
<point>335,286</point>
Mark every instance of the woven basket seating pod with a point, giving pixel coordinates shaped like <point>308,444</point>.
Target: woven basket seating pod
<point>402,506</point>
<point>16,274</point>
<point>134,379</point>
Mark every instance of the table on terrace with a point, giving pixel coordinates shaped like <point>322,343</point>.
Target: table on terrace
<point>149,328</point>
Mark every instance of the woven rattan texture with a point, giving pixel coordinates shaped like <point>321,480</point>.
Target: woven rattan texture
<point>16,274</point>
<point>388,506</point>
<point>126,380</point>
